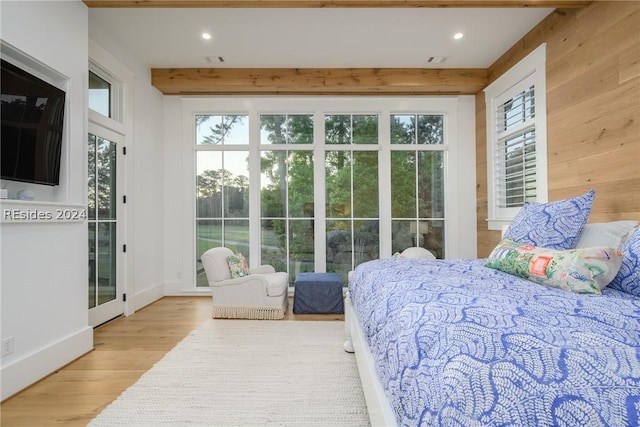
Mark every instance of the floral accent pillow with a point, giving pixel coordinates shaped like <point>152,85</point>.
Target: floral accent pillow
<point>583,271</point>
<point>628,278</point>
<point>555,225</point>
<point>238,265</point>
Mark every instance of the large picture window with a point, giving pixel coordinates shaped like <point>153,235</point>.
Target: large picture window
<point>325,185</point>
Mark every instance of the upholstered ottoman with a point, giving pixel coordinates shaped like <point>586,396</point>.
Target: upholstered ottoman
<point>319,293</point>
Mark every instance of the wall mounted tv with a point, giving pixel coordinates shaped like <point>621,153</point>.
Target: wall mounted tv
<point>32,117</point>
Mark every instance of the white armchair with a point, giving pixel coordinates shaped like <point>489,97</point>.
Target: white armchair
<point>263,294</point>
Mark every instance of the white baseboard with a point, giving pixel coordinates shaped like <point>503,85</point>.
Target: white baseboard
<point>24,372</point>
<point>176,289</point>
<point>144,298</point>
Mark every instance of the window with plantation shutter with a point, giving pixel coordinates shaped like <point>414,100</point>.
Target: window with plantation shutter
<point>516,139</point>
<point>514,156</point>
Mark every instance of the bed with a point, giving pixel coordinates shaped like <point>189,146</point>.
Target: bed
<point>455,343</point>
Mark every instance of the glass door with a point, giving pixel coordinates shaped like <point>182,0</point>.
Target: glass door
<point>104,215</point>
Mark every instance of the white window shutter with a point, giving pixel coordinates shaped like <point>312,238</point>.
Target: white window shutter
<point>516,139</point>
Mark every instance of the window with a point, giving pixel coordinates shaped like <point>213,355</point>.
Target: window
<point>107,97</point>
<point>287,192</point>
<point>99,94</point>
<point>222,186</point>
<point>515,154</point>
<point>516,139</point>
<point>326,184</point>
<point>288,187</point>
<point>352,191</point>
<point>417,182</point>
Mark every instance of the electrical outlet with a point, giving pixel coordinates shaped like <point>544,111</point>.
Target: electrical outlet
<point>7,346</point>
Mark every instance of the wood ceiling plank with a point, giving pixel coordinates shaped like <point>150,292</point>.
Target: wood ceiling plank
<point>320,81</point>
<point>336,3</point>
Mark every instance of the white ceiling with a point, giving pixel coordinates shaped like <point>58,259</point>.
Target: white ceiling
<point>317,37</point>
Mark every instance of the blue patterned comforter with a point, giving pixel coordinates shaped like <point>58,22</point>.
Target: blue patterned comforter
<point>459,344</point>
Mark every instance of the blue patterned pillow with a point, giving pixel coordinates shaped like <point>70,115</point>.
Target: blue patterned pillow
<point>555,225</point>
<point>628,278</point>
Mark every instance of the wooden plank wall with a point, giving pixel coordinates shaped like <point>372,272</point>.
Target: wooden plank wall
<point>593,110</point>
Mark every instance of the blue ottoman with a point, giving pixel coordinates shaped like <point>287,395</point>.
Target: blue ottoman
<point>318,293</point>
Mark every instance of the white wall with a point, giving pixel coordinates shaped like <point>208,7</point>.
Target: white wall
<point>175,223</point>
<point>43,289</point>
<point>44,265</point>
<point>144,170</point>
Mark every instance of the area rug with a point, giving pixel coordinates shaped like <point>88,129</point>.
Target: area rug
<point>248,373</point>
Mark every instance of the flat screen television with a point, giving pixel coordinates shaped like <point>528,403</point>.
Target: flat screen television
<point>32,116</point>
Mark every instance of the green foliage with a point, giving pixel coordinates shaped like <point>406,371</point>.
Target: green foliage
<point>417,129</point>
<point>300,184</point>
<point>211,185</point>
<point>219,131</point>
<point>403,184</point>
<point>101,178</point>
<point>365,184</point>
<point>352,184</point>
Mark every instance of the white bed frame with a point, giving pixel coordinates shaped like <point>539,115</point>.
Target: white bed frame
<point>380,411</point>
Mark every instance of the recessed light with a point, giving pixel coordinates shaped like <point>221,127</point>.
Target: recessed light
<point>458,36</point>
<point>206,36</point>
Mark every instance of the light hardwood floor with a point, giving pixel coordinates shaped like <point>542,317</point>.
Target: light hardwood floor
<point>124,349</point>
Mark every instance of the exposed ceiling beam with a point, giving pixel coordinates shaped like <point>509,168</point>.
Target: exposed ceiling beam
<point>318,81</point>
<point>336,3</point>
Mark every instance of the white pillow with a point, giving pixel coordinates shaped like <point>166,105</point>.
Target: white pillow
<point>611,234</point>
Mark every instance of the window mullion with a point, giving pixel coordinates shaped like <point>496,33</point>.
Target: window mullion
<point>319,197</point>
<point>255,226</point>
